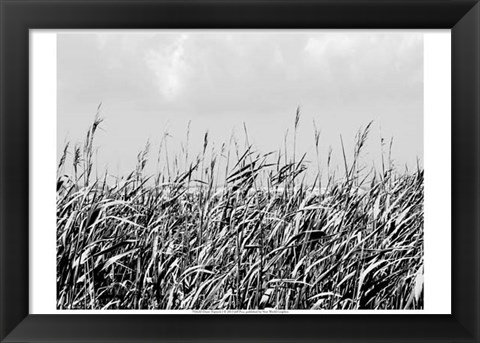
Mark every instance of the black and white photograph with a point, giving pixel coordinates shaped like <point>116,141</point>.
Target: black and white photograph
<point>240,171</point>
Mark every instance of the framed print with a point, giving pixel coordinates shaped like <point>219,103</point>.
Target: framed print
<point>204,220</point>
<point>263,170</point>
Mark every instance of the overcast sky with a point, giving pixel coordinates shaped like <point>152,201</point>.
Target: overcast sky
<point>158,81</point>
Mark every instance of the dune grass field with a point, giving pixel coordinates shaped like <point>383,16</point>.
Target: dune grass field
<point>238,229</point>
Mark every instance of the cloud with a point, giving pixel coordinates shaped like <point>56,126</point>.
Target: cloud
<point>216,73</point>
<point>168,65</point>
<point>220,79</point>
<point>386,65</point>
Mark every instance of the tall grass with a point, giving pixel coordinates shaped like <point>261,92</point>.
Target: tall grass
<point>266,239</point>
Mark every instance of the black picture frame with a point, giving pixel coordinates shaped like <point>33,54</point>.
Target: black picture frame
<point>18,16</point>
